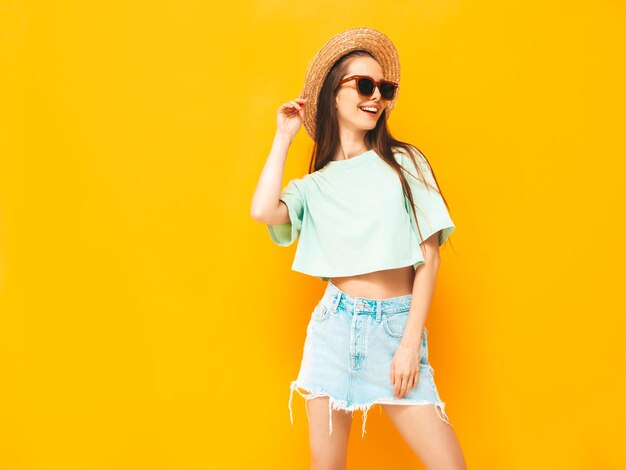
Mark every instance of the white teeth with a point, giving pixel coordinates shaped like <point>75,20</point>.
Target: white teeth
<point>367,108</point>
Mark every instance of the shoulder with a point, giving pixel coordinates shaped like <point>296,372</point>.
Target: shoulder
<point>301,184</point>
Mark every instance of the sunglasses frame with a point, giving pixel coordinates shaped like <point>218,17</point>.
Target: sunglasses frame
<point>376,85</point>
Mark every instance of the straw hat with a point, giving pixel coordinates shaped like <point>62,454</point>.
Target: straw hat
<point>371,40</point>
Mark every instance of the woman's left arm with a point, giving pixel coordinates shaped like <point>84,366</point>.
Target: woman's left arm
<point>405,366</point>
<point>423,291</point>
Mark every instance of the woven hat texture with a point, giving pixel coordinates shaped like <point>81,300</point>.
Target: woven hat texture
<point>371,40</point>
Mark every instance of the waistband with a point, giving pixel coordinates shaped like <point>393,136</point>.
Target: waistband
<point>334,298</point>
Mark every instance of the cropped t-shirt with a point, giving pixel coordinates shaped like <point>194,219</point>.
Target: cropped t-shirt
<point>352,217</point>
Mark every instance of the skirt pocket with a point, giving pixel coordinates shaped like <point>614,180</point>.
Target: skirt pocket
<point>394,325</point>
<point>320,313</point>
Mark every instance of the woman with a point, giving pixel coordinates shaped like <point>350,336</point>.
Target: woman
<point>370,220</point>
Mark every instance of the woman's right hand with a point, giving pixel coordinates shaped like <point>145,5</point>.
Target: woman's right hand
<point>290,116</point>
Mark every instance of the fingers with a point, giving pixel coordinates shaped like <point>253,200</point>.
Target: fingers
<point>404,377</point>
<point>403,384</point>
<point>400,387</point>
<point>293,106</point>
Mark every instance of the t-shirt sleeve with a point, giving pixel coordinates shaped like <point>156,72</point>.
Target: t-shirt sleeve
<point>432,213</point>
<point>294,196</point>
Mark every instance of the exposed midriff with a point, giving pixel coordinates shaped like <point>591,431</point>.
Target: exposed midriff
<point>378,284</point>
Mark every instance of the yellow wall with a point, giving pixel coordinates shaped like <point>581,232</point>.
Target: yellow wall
<point>146,321</point>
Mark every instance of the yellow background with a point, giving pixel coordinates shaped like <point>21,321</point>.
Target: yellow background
<point>146,321</point>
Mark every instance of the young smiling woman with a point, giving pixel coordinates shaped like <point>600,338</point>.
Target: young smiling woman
<point>355,214</point>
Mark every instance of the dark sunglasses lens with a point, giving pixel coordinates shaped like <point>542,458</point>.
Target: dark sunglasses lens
<point>366,86</point>
<point>387,90</point>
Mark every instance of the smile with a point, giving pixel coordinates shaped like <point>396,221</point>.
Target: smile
<point>369,111</point>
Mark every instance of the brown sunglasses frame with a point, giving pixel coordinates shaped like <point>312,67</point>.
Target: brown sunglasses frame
<point>376,85</point>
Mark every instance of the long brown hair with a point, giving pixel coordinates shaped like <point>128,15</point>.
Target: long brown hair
<point>379,139</point>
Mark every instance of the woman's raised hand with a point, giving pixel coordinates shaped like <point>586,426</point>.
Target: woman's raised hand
<point>290,116</point>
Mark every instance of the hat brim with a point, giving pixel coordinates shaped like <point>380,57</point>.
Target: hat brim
<point>371,40</point>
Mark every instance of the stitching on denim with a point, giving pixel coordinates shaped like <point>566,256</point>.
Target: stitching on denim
<point>322,315</point>
<point>336,302</point>
<point>398,304</point>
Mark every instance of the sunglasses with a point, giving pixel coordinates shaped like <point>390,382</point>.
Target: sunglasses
<point>365,86</point>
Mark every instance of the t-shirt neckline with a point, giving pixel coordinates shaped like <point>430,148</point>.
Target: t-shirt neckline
<point>353,160</point>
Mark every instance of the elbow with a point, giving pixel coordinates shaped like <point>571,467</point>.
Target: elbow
<point>256,214</point>
<point>432,259</point>
<point>432,262</point>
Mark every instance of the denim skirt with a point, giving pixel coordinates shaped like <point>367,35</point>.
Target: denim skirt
<point>350,343</point>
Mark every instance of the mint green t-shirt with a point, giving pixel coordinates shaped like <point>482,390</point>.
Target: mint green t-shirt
<point>352,218</point>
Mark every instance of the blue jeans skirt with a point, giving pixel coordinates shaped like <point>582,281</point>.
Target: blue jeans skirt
<point>350,343</point>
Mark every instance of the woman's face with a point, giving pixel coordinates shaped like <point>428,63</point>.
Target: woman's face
<point>349,102</point>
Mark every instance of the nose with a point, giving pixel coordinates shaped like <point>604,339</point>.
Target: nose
<point>376,93</point>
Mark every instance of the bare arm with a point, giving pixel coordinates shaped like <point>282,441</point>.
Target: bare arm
<point>423,290</point>
<point>266,207</point>
<point>405,366</point>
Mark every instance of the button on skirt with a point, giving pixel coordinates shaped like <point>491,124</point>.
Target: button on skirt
<point>350,343</point>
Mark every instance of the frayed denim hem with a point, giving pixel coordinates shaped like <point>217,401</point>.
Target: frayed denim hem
<point>334,404</point>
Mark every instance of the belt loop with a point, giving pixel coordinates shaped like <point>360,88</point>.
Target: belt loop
<point>379,308</point>
<point>336,302</point>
